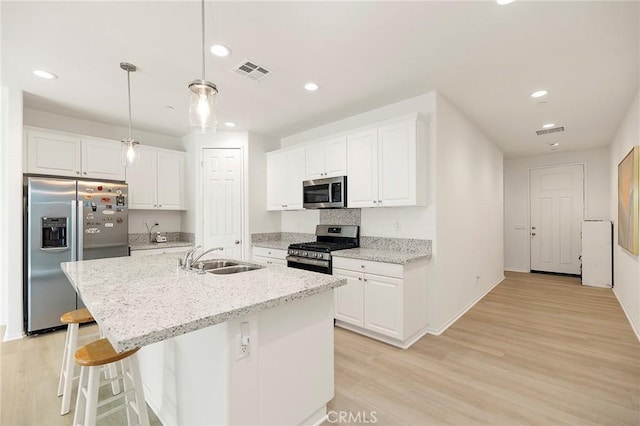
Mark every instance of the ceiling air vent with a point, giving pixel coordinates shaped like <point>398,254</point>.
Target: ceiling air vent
<point>548,131</point>
<point>251,70</point>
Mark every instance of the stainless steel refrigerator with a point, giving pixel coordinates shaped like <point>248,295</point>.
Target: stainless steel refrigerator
<point>66,220</point>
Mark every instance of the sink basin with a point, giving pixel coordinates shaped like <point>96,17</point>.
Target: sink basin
<point>234,269</point>
<point>214,264</point>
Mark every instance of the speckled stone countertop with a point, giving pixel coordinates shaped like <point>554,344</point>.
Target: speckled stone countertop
<point>274,244</point>
<point>138,302</point>
<point>387,256</point>
<point>152,246</point>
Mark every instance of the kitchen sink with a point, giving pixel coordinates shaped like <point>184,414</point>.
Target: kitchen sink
<point>234,269</point>
<point>214,264</point>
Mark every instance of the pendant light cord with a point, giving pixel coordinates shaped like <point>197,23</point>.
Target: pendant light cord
<point>203,40</point>
<point>129,94</point>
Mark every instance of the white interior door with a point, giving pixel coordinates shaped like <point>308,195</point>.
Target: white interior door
<point>557,206</point>
<point>222,200</point>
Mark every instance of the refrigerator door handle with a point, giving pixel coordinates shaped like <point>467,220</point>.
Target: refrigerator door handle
<point>79,231</point>
<point>72,225</point>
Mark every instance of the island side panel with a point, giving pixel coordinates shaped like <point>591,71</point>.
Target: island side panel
<point>295,377</point>
<point>186,378</point>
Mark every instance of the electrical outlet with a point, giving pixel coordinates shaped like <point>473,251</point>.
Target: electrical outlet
<point>396,226</point>
<point>243,342</point>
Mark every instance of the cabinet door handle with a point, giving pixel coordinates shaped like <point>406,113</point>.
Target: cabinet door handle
<point>77,172</point>
<point>159,205</point>
<point>379,201</point>
<point>375,202</point>
<point>362,266</point>
<point>365,280</point>
<point>359,278</point>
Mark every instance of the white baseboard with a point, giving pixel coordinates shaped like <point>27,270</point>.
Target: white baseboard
<point>526,271</point>
<point>402,344</point>
<point>624,309</point>
<point>464,310</point>
<point>15,336</point>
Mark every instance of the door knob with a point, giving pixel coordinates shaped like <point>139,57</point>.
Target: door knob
<point>237,241</point>
<point>533,234</point>
<point>533,227</point>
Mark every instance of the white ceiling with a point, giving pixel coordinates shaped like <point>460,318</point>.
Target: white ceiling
<point>486,59</point>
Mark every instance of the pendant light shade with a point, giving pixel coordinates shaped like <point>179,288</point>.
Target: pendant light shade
<point>202,105</point>
<point>129,146</point>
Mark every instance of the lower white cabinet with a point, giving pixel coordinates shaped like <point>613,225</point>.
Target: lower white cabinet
<point>384,301</point>
<point>269,256</point>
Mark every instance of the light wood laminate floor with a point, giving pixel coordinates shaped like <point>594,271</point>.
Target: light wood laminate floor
<point>537,350</point>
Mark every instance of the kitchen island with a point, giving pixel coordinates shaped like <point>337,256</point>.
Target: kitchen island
<point>254,347</point>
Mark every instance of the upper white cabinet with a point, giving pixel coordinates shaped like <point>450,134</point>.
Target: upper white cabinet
<point>62,154</point>
<point>326,159</point>
<point>285,173</point>
<point>383,165</point>
<point>157,180</point>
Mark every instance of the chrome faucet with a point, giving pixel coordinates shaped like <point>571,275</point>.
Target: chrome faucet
<point>189,260</point>
<point>186,259</point>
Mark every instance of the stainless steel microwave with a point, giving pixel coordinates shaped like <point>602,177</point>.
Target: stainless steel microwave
<point>328,193</point>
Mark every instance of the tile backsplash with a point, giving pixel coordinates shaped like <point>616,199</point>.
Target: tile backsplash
<point>340,217</point>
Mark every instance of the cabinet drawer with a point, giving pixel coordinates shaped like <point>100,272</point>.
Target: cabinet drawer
<point>269,252</point>
<point>367,266</point>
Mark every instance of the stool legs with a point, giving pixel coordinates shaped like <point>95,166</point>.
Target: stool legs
<point>87,402</point>
<point>67,369</point>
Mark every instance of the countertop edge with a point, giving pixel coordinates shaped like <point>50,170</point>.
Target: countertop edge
<point>201,323</point>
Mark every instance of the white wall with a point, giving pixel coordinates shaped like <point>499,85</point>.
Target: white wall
<point>11,213</point>
<point>47,120</point>
<point>167,220</point>
<point>469,216</point>
<point>415,222</point>
<point>626,266</point>
<point>516,197</point>
<point>260,220</point>
<point>255,214</point>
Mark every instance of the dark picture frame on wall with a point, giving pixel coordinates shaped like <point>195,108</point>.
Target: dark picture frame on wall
<point>628,231</point>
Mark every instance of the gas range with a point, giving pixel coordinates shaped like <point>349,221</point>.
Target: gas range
<point>316,255</point>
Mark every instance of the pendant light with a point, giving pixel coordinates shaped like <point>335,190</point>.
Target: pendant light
<point>129,145</point>
<point>202,113</point>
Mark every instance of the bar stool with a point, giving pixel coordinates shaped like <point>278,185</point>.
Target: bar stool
<point>73,319</point>
<point>91,358</point>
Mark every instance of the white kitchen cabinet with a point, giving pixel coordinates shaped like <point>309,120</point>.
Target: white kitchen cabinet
<point>326,159</point>
<point>157,180</point>
<point>383,165</point>
<point>66,154</point>
<point>384,301</point>
<point>285,173</point>
<point>349,299</point>
<point>269,256</point>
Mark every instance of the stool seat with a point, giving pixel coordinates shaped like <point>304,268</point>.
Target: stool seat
<point>100,352</point>
<point>79,316</point>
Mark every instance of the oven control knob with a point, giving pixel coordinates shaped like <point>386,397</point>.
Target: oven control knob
<point>304,254</point>
<point>294,252</point>
<point>314,254</point>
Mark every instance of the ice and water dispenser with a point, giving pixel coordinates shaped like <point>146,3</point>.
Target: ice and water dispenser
<point>54,232</point>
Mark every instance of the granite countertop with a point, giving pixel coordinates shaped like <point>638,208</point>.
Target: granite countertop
<point>274,244</point>
<point>139,302</point>
<point>387,256</point>
<point>168,244</point>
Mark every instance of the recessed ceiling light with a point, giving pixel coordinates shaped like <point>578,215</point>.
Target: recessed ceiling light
<point>220,50</point>
<point>45,74</point>
<point>548,125</point>
<point>503,2</point>
<point>539,93</point>
<point>554,144</point>
<point>312,87</point>
<point>230,124</point>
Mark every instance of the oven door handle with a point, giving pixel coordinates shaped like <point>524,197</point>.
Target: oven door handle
<point>307,261</point>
